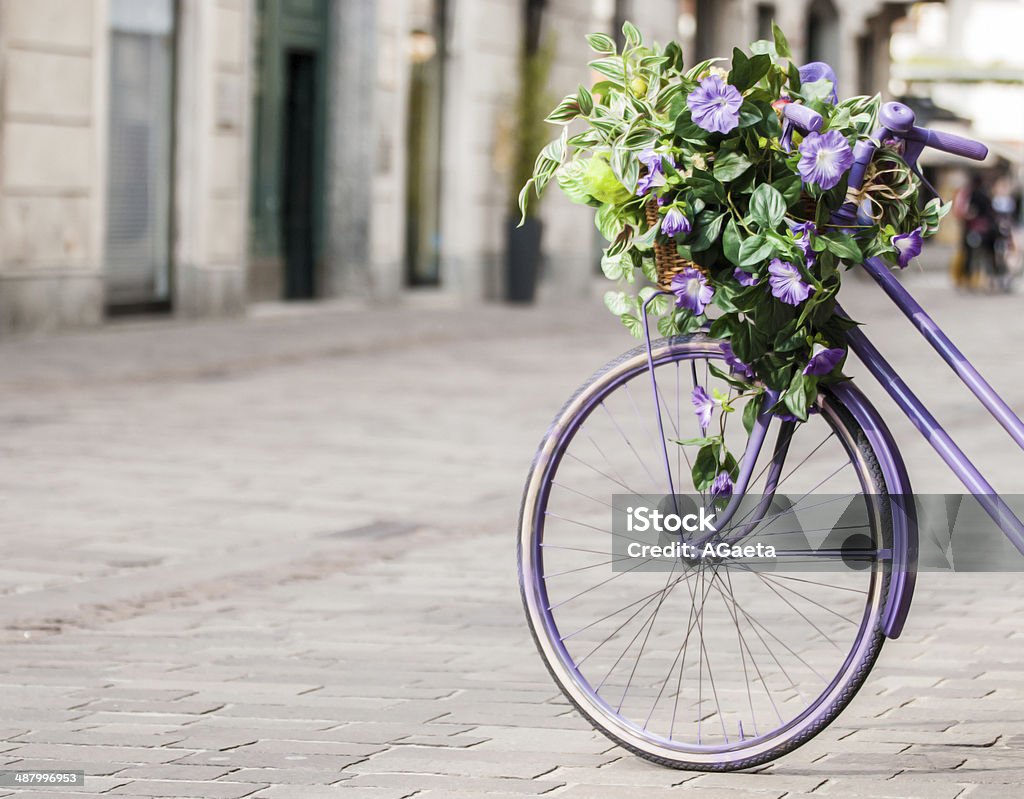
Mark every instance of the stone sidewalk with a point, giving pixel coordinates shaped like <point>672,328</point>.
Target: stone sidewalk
<point>273,558</point>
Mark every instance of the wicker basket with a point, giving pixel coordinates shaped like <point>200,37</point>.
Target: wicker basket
<point>667,260</point>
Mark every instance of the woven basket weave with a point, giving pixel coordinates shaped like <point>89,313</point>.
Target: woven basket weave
<point>667,260</point>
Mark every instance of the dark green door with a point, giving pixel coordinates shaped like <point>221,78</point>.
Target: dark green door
<point>298,176</point>
<point>288,145</point>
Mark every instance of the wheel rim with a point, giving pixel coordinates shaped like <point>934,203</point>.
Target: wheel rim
<point>727,726</point>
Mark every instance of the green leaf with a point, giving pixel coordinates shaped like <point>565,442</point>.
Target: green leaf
<point>626,167</point>
<point>745,71</point>
<point>730,166</point>
<point>667,326</point>
<point>754,249</point>
<point>794,77</point>
<point>708,227</point>
<point>732,380</point>
<point>767,206</point>
<point>751,411</point>
<point>612,68</point>
<point>619,303</point>
<point>608,222</point>
<point>659,306</point>
<point>697,69</point>
<point>524,200</point>
<point>702,441</point>
<point>616,267</point>
<point>817,90</point>
<point>781,44</point>
<point>640,138</point>
<point>585,100</point>
<point>750,115</point>
<point>705,467</point>
<point>800,394</point>
<point>666,94</point>
<point>843,245</point>
<point>571,180</point>
<point>731,242</point>
<point>565,112</point>
<point>649,267</point>
<point>633,37</point>
<point>789,187</point>
<point>601,43</point>
<point>632,324</point>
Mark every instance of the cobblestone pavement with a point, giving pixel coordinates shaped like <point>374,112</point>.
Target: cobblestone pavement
<point>273,559</point>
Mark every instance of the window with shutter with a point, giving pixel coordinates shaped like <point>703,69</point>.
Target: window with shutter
<point>140,128</point>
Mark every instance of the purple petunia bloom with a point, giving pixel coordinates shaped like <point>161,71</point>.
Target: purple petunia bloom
<point>715,105</point>
<point>703,406</point>
<point>744,278</point>
<point>692,290</point>
<point>823,359</point>
<point>787,283</point>
<point>722,487</point>
<point>816,70</point>
<point>802,233</point>
<point>675,222</point>
<point>824,158</point>
<point>655,174</point>
<point>735,363</point>
<point>908,246</point>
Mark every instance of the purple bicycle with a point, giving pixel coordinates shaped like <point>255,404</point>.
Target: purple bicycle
<point>708,668</point>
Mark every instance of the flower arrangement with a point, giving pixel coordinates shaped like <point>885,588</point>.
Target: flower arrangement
<point>701,161</point>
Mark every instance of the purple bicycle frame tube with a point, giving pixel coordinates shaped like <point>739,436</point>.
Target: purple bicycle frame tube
<point>947,349</point>
<point>929,427</point>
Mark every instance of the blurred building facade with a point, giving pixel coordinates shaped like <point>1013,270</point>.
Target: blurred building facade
<point>200,155</point>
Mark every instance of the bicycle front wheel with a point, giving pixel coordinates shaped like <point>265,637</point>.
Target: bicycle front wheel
<point>705,666</point>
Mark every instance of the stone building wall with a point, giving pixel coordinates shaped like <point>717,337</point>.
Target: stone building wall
<point>54,73</point>
<point>52,69</point>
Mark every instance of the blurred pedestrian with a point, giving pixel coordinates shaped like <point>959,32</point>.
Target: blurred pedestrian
<point>1006,209</point>
<point>973,207</point>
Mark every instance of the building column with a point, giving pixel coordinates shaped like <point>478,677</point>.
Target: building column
<point>211,176</point>
<point>351,147</point>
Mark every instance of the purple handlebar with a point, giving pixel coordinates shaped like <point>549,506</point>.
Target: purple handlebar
<point>807,119</point>
<point>899,119</point>
<point>949,143</point>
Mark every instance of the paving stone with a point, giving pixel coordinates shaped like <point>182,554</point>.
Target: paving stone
<point>228,615</point>
<point>441,782</point>
<point>202,790</point>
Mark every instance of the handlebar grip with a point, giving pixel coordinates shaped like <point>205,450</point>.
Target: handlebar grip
<point>803,117</point>
<point>950,143</point>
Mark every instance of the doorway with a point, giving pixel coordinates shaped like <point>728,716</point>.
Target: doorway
<point>286,223</point>
<point>298,182</point>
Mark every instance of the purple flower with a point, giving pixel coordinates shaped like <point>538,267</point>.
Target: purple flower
<point>675,222</point>
<point>787,283</point>
<point>802,233</point>
<point>692,290</point>
<point>655,174</point>
<point>908,246</point>
<point>816,70</point>
<point>824,158</point>
<point>744,278</point>
<point>735,363</point>
<point>703,406</point>
<point>823,359</point>
<point>715,105</point>
<point>722,487</point>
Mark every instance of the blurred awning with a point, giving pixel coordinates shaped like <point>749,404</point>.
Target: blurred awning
<point>957,72</point>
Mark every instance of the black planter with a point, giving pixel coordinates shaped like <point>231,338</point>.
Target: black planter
<point>522,259</point>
